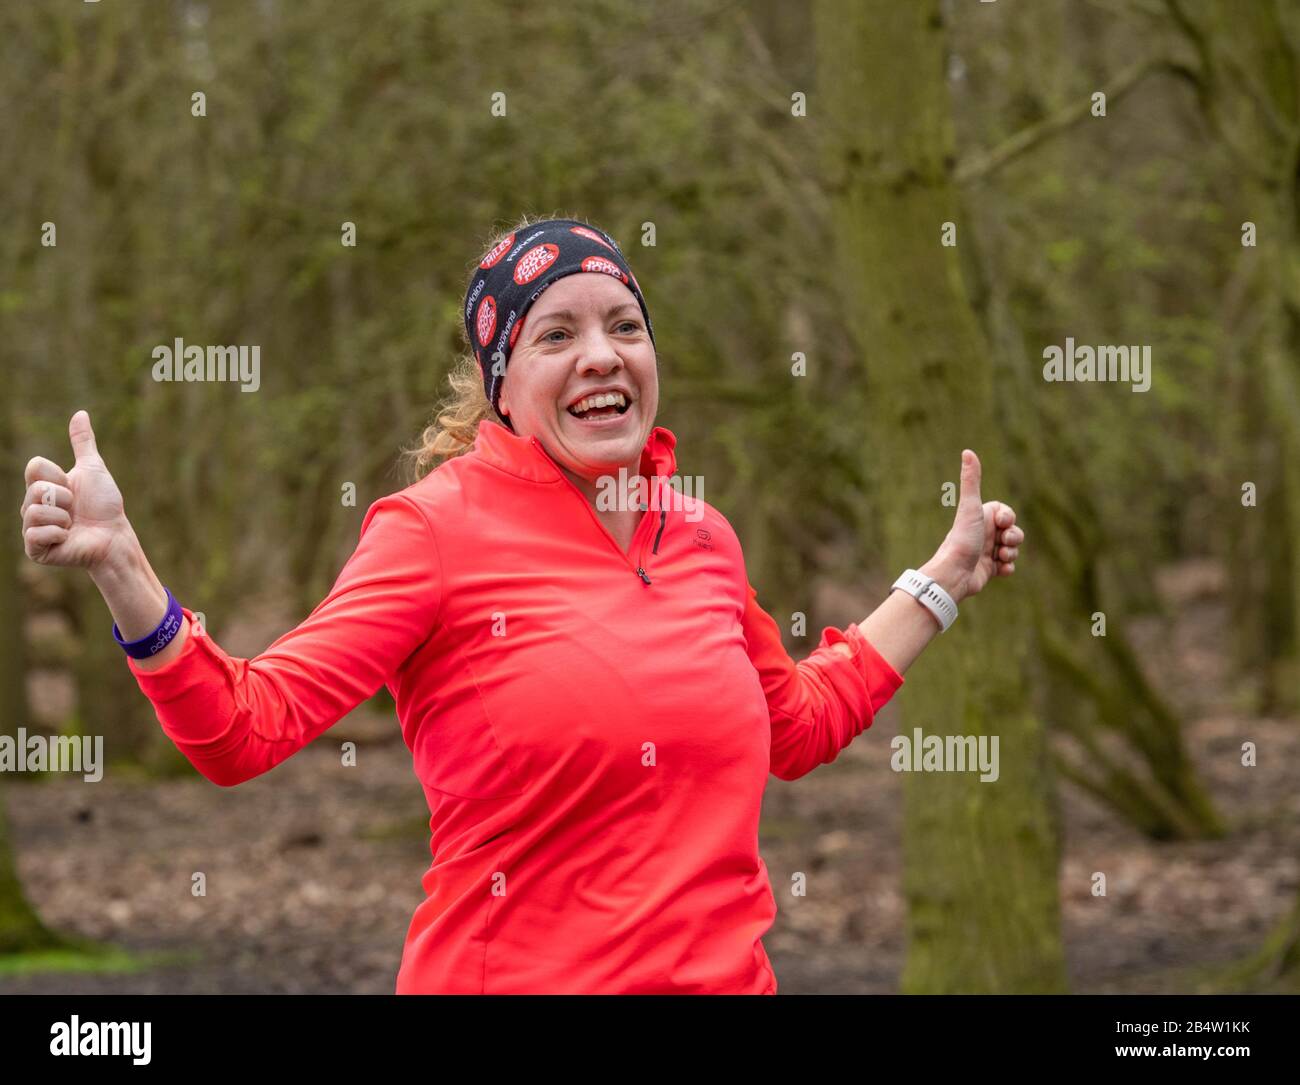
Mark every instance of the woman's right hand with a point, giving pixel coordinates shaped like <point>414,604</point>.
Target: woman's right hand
<point>74,518</point>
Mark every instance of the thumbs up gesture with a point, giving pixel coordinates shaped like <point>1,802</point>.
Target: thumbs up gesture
<point>983,542</point>
<point>73,518</point>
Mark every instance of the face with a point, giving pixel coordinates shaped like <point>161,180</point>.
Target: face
<point>584,335</point>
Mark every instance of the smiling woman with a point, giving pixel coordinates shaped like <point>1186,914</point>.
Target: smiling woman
<point>550,322</point>
<point>592,415</point>
<point>592,696</point>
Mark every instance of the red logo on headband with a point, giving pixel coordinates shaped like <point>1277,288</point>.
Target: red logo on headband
<point>582,231</point>
<point>608,267</point>
<point>514,333</point>
<point>535,261</point>
<point>487,319</point>
<point>497,251</point>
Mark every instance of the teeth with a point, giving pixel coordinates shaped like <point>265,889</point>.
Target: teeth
<point>604,399</point>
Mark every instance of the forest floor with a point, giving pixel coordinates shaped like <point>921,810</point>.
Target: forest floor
<point>312,871</point>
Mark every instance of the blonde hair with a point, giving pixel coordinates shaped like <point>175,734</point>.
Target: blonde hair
<point>457,416</point>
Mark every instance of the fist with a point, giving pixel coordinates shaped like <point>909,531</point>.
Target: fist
<point>72,518</point>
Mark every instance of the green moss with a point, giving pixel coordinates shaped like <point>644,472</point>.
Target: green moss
<point>88,957</point>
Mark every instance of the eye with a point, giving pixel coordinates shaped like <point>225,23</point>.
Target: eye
<point>630,323</point>
<point>554,331</point>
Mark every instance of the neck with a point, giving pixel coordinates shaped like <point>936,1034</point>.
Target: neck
<point>589,489</point>
<point>620,521</point>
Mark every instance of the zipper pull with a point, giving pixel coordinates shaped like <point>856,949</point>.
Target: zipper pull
<point>641,573</point>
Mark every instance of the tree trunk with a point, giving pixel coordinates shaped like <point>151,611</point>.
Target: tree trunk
<point>20,927</point>
<point>981,858</point>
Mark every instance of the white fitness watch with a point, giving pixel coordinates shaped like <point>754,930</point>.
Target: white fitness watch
<point>927,592</point>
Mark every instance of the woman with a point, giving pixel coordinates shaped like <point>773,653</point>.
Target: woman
<point>592,696</point>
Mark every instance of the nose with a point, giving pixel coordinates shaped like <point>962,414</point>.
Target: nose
<point>599,355</point>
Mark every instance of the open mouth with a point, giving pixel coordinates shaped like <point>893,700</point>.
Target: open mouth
<point>600,407</point>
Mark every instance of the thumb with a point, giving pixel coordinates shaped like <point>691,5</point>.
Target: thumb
<point>970,476</point>
<point>82,437</point>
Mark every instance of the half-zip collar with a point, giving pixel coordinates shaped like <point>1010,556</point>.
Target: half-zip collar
<point>526,459</point>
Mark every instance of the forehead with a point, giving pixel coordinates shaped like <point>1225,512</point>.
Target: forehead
<point>586,289</point>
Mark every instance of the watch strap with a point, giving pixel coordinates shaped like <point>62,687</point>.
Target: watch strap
<point>930,595</point>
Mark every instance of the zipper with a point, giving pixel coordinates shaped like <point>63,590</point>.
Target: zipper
<point>663,518</point>
<point>638,568</point>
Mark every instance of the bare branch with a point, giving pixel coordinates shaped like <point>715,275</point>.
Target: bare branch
<point>981,166</point>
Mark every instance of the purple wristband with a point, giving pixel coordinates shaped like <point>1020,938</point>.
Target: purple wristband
<point>156,641</point>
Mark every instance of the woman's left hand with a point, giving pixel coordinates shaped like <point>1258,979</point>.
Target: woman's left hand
<point>984,541</point>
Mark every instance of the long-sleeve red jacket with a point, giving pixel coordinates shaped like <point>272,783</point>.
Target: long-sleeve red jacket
<point>593,728</point>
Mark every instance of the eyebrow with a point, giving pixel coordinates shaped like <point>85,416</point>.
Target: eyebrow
<point>565,314</point>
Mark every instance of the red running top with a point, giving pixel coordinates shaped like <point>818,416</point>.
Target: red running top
<point>593,729</point>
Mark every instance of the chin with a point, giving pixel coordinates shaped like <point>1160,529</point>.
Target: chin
<point>605,455</point>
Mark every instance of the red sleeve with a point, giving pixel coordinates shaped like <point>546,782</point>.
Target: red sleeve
<point>236,718</point>
<point>821,704</point>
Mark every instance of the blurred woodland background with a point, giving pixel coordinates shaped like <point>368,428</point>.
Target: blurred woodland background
<point>780,176</point>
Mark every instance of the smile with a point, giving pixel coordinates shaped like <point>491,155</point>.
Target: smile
<point>601,407</point>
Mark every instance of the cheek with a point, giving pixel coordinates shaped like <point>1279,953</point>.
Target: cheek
<point>532,389</point>
<point>544,397</point>
<point>650,383</point>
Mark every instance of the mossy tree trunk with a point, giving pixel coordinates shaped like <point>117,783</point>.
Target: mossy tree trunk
<point>980,858</point>
<point>20,927</point>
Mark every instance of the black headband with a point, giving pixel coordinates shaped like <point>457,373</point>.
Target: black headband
<point>513,275</point>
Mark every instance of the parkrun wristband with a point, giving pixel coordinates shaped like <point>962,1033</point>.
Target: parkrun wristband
<point>156,641</point>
